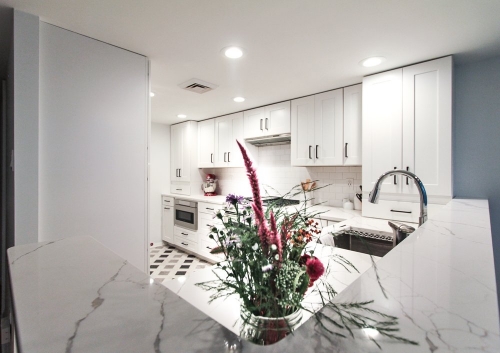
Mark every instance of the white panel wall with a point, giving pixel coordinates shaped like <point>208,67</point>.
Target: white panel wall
<point>25,118</point>
<point>159,171</point>
<point>93,142</point>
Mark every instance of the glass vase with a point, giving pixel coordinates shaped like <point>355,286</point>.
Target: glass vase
<point>268,330</point>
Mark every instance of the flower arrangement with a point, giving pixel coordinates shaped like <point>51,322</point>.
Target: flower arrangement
<point>270,266</point>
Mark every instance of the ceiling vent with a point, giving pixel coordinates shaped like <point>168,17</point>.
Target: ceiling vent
<point>198,86</point>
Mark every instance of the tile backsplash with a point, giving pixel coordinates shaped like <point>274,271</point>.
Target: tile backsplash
<point>276,176</point>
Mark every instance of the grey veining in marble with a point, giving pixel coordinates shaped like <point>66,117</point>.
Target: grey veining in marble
<point>74,295</point>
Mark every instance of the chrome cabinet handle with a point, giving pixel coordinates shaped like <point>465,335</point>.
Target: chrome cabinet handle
<point>184,244</point>
<point>398,211</point>
<point>211,157</point>
<point>225,156</point>
<point>345,150</point>
<point>395,178</point>
<point>166,208</point>
<point>310,152</point>
<point>209,248</point>
<point>407,169</point>
<point>180,173</point>
<point>266,123</point>
<point>261,124</point>
<point>228,155</point>
<point>184,234</point>
<point>178,189</point>
<point>207,208</point>
<point>317,151</point>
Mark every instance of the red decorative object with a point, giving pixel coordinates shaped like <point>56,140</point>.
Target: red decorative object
<point>210,185</point>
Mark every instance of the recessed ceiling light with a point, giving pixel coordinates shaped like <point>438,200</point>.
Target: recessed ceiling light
<point>182,116</point>
<point>151,94</point>
<point>239,99</point>
<point>373,61</point>
<point>233,52</point>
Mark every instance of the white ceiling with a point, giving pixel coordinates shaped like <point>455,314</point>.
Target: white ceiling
<point>293,48</point>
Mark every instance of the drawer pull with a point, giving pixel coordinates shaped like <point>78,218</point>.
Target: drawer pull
<point>400,211</point>
<point>178,189</point>
<point>395,180</point>
<point>166,208</point>
<point>211,209</point>
<point>345,150</point>
<point>184,234</point>
<point>184,244</point>
<point>209,248</point>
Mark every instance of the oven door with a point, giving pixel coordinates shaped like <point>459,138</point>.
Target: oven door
<point>186,217</point>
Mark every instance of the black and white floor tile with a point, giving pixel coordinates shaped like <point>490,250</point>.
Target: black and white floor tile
<point>167,262</point>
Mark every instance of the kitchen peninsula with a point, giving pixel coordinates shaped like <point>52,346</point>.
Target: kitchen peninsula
<point>440,283</point>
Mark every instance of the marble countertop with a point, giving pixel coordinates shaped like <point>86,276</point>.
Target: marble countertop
<point>74,295</point>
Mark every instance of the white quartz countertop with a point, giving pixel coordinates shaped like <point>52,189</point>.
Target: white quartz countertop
<point>74,295</point>
<point>219,199</point>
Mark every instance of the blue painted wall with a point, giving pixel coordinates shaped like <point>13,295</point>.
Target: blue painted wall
<point>476,134</point>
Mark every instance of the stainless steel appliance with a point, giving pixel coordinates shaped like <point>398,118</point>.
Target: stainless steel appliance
<point>186,214</point>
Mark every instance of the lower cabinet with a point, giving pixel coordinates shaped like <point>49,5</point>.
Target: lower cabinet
<point>167,219</point>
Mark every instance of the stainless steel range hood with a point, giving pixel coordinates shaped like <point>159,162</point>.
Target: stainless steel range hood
<point>280,139</point>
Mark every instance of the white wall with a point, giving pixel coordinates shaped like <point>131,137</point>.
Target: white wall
<point>159,172</point>
<point>25,118</point>
<point>93,142</point>
<point>278,177</point>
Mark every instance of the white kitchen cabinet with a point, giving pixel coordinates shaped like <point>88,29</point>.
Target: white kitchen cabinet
<point>206,143</point>
<point>407,125</point>
<point>228,129</point>
<point>269,120</point>
<point>180,152</point>
<point>382,127</point>
<point>427,129</point>
<point>185,177</point>
<point>317,129</point>
<point>352,125</point>
<point>167,219</point>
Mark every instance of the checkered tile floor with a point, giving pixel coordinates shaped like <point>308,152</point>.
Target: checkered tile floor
<point>168,262</point>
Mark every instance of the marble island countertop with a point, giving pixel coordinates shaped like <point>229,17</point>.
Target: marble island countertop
<point>74,295</point>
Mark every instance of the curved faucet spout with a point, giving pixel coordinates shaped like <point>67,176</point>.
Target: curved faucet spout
<point>375,193</point>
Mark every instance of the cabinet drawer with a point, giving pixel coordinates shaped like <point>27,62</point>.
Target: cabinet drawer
<point>206,246</point>
<point>205,222</point>
<point>186,244</point>
<point>167,201</point>
<point>186,234</point>
<point>209,208</point>
<point>181,189</point>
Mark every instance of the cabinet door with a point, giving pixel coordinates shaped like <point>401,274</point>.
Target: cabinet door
<point>427,99</point>
<point>234,158</point>
<point>223,133</point>
<point>382,124</point>
<point>175,151</point>
<point>352,125</point>
<point>302,129</point>
<point>167,220</point>
<point>254,122</point>
<point>329,128</point>
<point>277,119</point>
<point>206,143</point>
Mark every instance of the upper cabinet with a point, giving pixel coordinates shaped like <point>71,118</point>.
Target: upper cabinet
<point>269,120</point>
<point>318,125</point>
<point>180,152</point>
<point>206,143</point>
<point>228,129</point>
<point>407,125</point>
<point>352,125</point>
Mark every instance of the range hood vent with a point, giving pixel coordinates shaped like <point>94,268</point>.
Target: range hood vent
<point>272,140</point>
<point>198,86</point>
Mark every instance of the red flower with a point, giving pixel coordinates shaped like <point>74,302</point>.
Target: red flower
<point>314,268</point>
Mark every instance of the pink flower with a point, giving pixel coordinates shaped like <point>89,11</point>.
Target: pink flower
<point>314,267</point>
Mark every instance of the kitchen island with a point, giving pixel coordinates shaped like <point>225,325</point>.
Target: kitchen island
<point>74,295</point>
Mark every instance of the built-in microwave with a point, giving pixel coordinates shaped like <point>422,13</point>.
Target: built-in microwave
<point>186,214</point>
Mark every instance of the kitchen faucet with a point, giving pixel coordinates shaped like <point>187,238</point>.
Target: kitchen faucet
<point>375,193</point>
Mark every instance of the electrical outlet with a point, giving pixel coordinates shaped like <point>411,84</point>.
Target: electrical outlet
<point>350,184</point>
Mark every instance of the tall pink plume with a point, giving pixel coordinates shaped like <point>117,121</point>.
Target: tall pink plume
<point>257,201</point>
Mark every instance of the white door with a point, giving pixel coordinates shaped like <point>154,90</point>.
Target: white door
<point>223,136</point>
<point>254,122</point>
<point>234,157</point>
<point>167,220</point>
<point>175,151</point>
<point>382,124</point>
<point>352,125</point>
<point>302,129</point>
<point>277,119</point>
<point>206,143</point>
<point>427,106</point>
<point>329,128</point>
